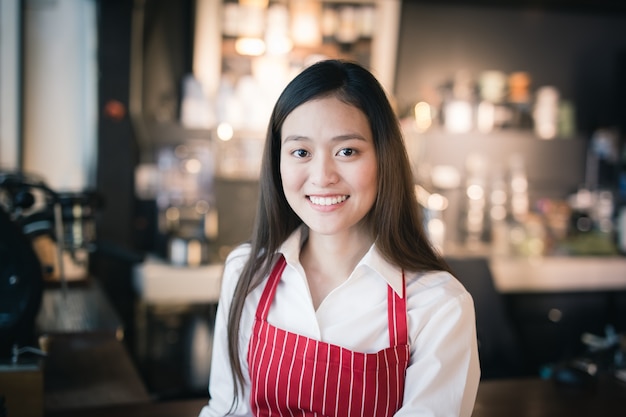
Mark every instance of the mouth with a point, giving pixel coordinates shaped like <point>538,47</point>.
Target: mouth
<point>327,201</point>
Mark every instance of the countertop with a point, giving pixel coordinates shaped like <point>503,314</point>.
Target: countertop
<point>156,281</point>
<point>89,370</point>
<point>559,274</point>
<point>530,397</point>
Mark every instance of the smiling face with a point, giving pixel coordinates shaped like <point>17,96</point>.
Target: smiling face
<point>328,165</point>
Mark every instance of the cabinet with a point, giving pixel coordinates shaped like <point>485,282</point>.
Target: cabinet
<point>550,325</point>
<point>532,313</point>
<point>243,83</point>
<point>553,301</point>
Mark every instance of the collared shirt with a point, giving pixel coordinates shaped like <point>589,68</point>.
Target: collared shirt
<point>443,373</point>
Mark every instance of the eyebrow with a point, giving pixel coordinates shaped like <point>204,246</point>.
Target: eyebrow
<point>338,138</point>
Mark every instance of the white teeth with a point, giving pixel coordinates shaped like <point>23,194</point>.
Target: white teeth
<point>328,201</point>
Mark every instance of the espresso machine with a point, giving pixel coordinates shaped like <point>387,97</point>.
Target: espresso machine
<point>45,239</point>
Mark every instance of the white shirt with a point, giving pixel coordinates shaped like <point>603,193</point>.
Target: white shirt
<point>443,373</point>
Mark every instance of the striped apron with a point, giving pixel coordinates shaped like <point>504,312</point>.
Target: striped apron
<point>293,375</point>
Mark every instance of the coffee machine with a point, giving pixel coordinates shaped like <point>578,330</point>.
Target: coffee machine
<point>45,239</point>
<point>21,274</point>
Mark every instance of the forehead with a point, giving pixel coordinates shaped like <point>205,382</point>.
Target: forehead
<point>326,116</point>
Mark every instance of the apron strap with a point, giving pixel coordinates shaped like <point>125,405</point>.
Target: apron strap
<point>396,309</point>
<point>265,302</point>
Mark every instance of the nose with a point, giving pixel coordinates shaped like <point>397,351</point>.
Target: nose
<point>324,171</point>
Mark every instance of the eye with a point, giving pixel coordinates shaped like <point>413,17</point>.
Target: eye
<point>300,153</point>
<point>346,152</point>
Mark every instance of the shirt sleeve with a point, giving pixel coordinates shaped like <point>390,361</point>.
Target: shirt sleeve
<point>443,373</point>
<point>221,383</point>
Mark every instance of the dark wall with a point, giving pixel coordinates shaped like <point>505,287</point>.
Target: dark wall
<point>167,56</point>
<point>576,50</point>
<point>117,156</point>
<point>166,28</point>
<point>117,153</point>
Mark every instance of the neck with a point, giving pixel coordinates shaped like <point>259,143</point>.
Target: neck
<point>328,261</point>
<point>339,253</point>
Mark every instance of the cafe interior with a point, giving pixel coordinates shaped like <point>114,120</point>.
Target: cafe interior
<point>131,139</point>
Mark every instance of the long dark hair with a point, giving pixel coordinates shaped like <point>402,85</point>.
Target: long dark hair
<point>395,219</point>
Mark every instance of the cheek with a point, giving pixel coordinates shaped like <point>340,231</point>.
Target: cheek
<point>367,179</point>
<point>290,178</point>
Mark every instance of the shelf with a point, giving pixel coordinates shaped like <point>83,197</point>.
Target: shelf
<point>174,133</point>
<point>437,147</point>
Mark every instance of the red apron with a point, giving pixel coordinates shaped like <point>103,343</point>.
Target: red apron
<point>293,375</point>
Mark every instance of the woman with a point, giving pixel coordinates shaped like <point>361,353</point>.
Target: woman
<point>339,306</point>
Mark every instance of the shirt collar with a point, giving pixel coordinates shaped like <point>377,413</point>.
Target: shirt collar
<point>387,271</point>
<point>292,245</point>
<point>373,260</point>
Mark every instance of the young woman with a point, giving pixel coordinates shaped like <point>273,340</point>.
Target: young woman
<point>339,306</point>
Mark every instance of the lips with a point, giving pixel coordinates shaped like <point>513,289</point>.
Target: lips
<point>327,201</point>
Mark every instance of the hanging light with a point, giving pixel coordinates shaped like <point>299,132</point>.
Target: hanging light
<point>305,23</point>
<point>254,3</point>
<point>252,26</point>
<point>277,38</point>
<point>250,46</point>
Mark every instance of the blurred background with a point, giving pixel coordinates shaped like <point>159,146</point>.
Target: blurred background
<point>131,138</point>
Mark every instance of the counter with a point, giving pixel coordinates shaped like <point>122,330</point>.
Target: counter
<point>89,370</point>
<point>532,311</point>
<point>156,281</point>
<point>530,397</point>
<point>559,273</point>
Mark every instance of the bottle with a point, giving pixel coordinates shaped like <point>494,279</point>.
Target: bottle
<point>459,109</point>
<point>520,100</point>
<point>621,229</point>
<point>620,203</point>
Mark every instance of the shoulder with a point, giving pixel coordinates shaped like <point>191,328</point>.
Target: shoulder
<point>238,256</point>
<point>436,288</point>
<point>437,305</point>
<point>233,266</point>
